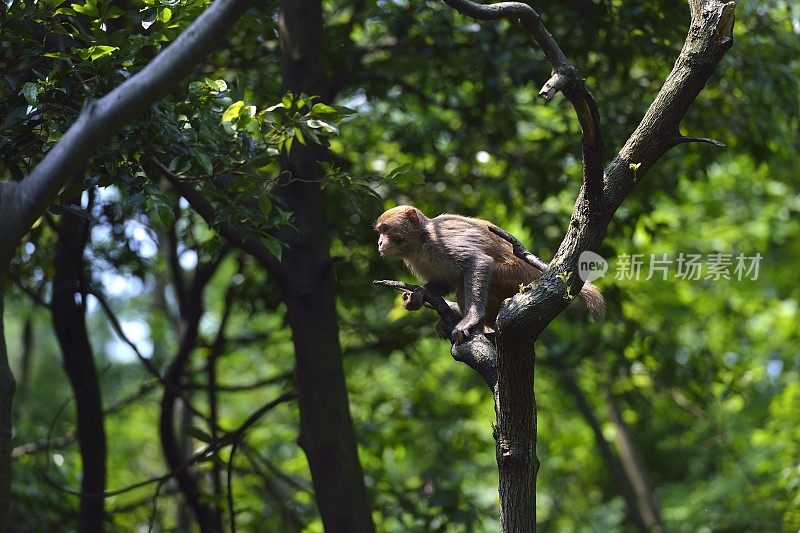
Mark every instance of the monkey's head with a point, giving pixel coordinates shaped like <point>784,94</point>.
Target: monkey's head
<point>400,231</point>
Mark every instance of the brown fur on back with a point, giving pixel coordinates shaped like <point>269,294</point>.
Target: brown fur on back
<point>507,272</point>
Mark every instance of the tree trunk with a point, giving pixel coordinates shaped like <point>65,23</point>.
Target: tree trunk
<point>191,309</point>
<point>515,432</point>
<point>634,468</point>
<point>326,428</point>
<point>641,516</point>
<point>6,395</point>
<point>69,322</point>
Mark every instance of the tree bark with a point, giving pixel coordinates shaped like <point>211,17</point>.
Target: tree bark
<point>326,429</point>
<point>515,433</point>
<point>69,321</point>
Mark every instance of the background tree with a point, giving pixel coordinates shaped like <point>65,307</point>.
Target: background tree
<point>702,373</point>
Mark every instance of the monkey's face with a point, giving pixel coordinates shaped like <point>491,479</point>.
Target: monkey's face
<point>399,231</point>
<point>393,243</point>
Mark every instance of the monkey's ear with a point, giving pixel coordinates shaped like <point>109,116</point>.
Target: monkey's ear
<point>411,215</point>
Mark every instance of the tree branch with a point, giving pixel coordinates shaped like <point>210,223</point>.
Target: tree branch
<point>22,203</point>
<point>680,139</point>
<point>477,352</point>
<point>523,317</point>
<point>709,37</point>
<point>207,211</point>
<point>566,79</point>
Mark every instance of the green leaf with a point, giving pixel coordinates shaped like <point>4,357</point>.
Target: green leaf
<point>165,214</point>
<point>205,161</point>
<point>199,433</point>
<point>95,52</point>
<point>73,209</point>
<point>344,111</point>
<point>321,124</point>
<point>274,246</point>
<point>265,203</point>
<point>31,92</point>
<point>274,107</point>
<point>88,9</point>
<point>232,112</point>
<point>217,85</point>
<point>113,12</point>
<point>323,109</point>
<point>165,15</point>
<point>310,133</point>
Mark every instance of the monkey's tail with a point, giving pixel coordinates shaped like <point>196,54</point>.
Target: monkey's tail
<point>594,301</point>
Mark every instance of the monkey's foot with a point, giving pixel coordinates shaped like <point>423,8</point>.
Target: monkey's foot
<point>462,329</point>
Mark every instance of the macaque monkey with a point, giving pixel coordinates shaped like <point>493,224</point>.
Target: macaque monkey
<point>451,252</point>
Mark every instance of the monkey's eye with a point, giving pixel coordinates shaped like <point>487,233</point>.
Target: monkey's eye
<point>397,238</point>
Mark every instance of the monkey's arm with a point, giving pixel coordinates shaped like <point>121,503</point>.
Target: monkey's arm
<point>415,299</point>
<point>448,311</point>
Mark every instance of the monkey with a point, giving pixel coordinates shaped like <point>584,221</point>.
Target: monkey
<point>457,253</point>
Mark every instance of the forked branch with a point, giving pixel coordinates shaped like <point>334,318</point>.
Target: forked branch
<point>566,79</point>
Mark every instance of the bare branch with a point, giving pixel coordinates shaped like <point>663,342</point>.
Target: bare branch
<point>556,83</point>
<point>201,455</point>
<point>527,17</point>
<point>709,37</point>
<point>148,364</point>
<point>566,79</point>
<point>477,352</point>
<point>31,293</point>
<point>449,317</point>
<point>44,445</point>
<point>683,139</point>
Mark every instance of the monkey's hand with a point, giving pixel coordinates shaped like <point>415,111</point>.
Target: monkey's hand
<point>463,328</point>
<point>413,300</point>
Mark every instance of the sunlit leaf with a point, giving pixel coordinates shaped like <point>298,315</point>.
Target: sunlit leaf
<point>323,109</point>
<point>88,9</point>
<point>321,124</point>
<point>232,112</point>
<point>95,52</point>
<point>165,15</point>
